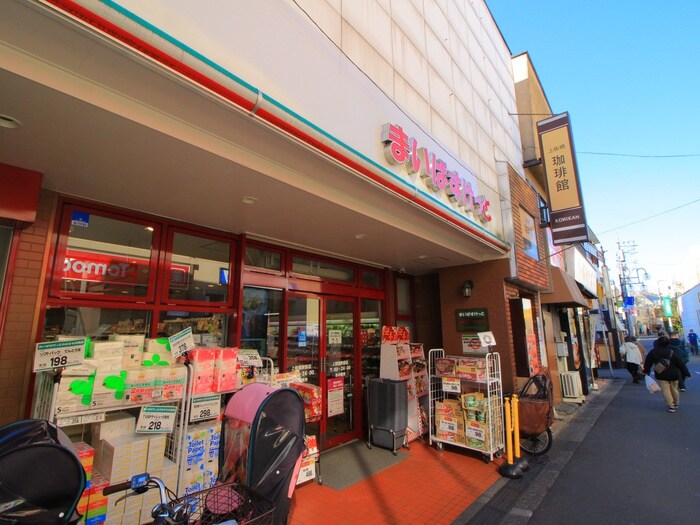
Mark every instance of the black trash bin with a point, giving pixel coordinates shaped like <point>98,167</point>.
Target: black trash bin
<point>387,416</point>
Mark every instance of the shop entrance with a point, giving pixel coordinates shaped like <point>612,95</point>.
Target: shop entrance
<point>322,345</point>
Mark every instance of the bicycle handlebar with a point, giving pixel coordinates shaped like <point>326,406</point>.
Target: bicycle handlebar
<point>117,487</point>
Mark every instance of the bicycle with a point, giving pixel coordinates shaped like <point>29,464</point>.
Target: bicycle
<point>225,503</point>
<point>535,415</point>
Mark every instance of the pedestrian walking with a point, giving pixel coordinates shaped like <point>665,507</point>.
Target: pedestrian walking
<point>633,356</point>
<point>678,346</point>
<point>668,368</point>
<point>693,341</point>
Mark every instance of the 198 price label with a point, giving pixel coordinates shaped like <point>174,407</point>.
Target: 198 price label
<point>58,354</point>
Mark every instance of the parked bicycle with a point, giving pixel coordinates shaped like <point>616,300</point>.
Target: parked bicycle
<point>226,503</point>
<point>535,414</point>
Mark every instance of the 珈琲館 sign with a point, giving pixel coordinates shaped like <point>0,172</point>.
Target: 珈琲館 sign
<point>567,217</point>
<point>402,149</point>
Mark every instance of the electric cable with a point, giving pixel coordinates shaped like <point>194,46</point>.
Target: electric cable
<point>650,217</point>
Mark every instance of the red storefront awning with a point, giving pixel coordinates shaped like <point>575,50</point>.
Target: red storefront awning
<point>19,197</point>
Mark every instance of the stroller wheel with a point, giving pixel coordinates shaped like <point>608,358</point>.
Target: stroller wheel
<point>537,445</point>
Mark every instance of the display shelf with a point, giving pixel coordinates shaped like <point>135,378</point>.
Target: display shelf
<point>404,361</point>
<point>466,402</point>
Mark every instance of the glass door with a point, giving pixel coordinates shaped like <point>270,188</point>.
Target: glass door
<point>341,383</point>
<point>321,345</point>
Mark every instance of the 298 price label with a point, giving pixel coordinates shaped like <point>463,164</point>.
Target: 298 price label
<point>205,407</point>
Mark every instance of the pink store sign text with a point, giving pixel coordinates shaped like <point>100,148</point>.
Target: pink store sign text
<point>401,149</point>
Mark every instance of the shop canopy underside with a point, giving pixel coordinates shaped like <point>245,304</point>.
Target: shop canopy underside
<point>565,291</point>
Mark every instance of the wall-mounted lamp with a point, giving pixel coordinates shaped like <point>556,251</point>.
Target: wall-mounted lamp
<point>467,289</point>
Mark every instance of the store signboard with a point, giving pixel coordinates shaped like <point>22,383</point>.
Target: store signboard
<point>436,174</point>
<point>472,320</point>
<point>568,220</point>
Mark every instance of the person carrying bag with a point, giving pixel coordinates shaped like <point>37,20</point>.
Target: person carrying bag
<point>668,369</point>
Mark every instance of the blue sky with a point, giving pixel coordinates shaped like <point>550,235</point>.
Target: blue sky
<point>627,72</point>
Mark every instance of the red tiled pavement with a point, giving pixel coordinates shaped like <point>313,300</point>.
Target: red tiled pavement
<point>429,486</point>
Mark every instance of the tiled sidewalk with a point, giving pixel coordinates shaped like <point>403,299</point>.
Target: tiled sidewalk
<point>429,486</point>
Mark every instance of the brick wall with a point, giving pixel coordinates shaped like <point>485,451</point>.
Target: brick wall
<point>530,271</point>
<point>25,283</point>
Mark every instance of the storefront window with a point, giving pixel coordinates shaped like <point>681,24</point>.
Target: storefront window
<point>263,259</point>
<point>208,329</point>
<point>303,338</point>
<point>403,296</point>
<point>199,269</point>
<point>322,269</point>
<point>370,336</point>
<point>105,256</point>
<point>371,279</point>
<point>260,325</point>
<point>529,234</point>
<point>96,323</point>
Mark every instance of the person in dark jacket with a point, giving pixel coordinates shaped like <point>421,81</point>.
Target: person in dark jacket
<point>678,346</point>
<point>668,379</point>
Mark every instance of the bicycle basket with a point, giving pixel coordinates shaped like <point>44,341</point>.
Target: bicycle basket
<point>226,502</point>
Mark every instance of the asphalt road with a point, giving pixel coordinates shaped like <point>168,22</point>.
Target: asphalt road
<point>620,459</point>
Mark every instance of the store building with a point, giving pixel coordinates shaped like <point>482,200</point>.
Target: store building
<point>177,169</point>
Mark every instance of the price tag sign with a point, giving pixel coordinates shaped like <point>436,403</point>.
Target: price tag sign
<point>67,421</point>
<point>248,357</point>
<point>94,418</point>
<point>57,354</point>
<point>447,425</point>
<point>155,419</point>
<point>181,342</point>
<point>205,407</point>
<point>452,385</point>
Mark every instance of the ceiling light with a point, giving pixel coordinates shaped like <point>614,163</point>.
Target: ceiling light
<point>9,122</point>
<point>249,200</point>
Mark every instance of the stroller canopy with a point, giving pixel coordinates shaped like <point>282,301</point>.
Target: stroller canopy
<point>263,440</point>
<point>41,478</point>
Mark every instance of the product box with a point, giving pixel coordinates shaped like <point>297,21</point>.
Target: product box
<point>475,362</point>
<point>445,366</point>
<point>133,348</point>
<point>312,397</point>
<point>213,440</point>
<point>476,430</point>
<point>114,461</point>
<point>449,407</point>
<point>450,424</point>
<point>156,452</point>
<point>140,384</point>
<point>109,387</point>
<point>106,349</point>
<point>157,346</point>
<point>472,400</point>
<point>171,381</point>
<point>470,372</point>
<point>203,361</point>
<point>226,375</point>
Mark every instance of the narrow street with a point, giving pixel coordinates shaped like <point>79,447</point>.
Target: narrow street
<point>621,459</point>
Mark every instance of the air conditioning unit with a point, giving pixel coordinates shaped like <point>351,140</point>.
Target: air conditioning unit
<point>571,386</point>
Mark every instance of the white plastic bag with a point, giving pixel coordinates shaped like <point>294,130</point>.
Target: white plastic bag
<point>652,386</point>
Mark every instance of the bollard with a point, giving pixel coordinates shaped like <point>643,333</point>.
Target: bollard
<point>508,469</point>
<point>523,463</point>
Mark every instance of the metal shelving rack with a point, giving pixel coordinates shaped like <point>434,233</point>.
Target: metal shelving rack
<point>490,387</point>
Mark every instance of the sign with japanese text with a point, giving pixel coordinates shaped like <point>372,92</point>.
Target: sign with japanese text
<point>155,419</point>
<point>181,342</point>
<point>472,320</point>
<point>336,397</point>
<point>58,354</point>
<point>438,177</point>
<point>205,407</point>
<point>568,220</point>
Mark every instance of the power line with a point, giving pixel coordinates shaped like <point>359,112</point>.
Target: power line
<point>639,156</point>
<point>650,216</point>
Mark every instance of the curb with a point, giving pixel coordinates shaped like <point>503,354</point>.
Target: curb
<point>513,501</point>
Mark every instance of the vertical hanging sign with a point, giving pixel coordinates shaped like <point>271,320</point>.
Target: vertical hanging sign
<point>568,220</point>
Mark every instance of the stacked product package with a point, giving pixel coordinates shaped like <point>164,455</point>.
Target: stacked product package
<point>200,456</point>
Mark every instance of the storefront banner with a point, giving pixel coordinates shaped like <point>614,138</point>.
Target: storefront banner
<point>568,220</point>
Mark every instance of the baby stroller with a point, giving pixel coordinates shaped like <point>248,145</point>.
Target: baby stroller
<point>41,477</point>
<point>535,414</point>
<point>262,442</point>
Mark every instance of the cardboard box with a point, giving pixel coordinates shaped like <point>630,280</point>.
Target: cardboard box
<point>171,381</point>
<point>449,407</point>
<point>445,366</point>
